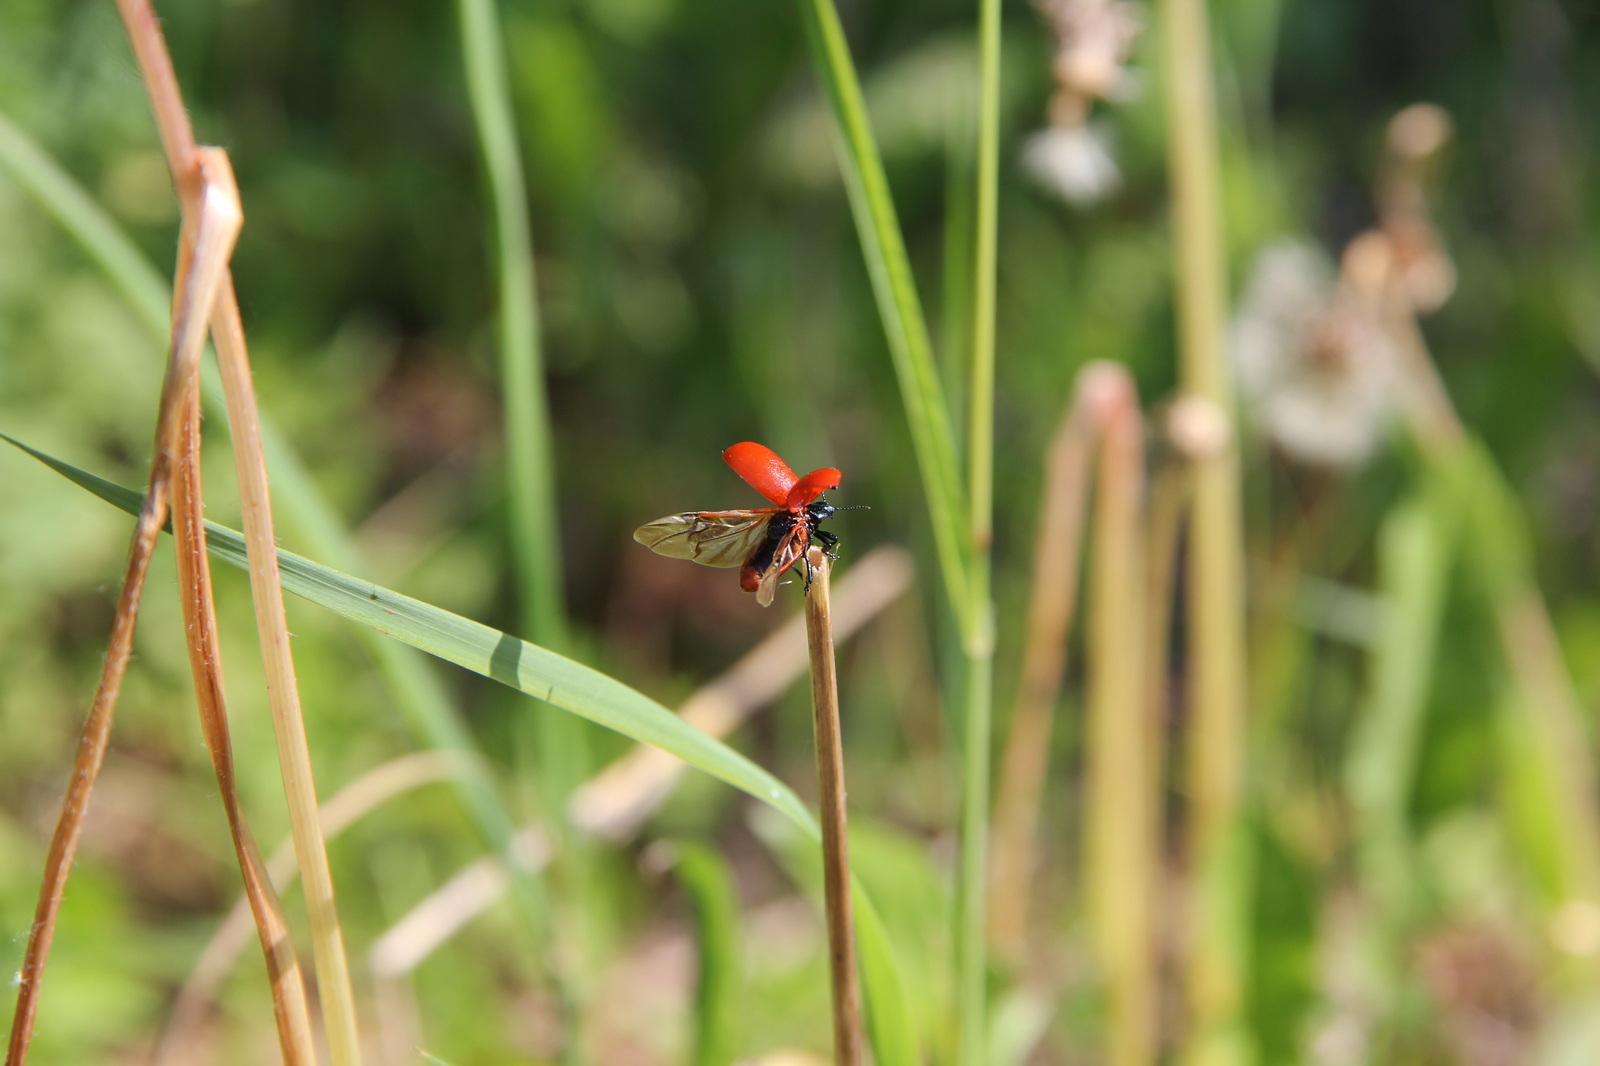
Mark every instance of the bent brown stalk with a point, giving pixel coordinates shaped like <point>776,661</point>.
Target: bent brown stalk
<point>212,236</point>
<point>178,142</point>
<point>205,662</point>
<point>830,798</point>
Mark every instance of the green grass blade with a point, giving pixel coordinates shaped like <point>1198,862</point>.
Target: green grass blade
<point>706,877</point>
<point>571,687</point>
<point>891,1026</point>
<point>536,545</point>
<point>560,758</point>
<point>413,685</point>
<point>125,266</point>
<point>1414,556</point>
<point>1216,959</point>
<point>528,668</point>
<point>1498,552</point>
<point>898,305</point>
<point>972,919</point>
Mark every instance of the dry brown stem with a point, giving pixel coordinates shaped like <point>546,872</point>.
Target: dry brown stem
<point>831,801</point>
<point>205,661</point>
<point>178,142</point>
<point>283,692</point>
<point>209,240</point>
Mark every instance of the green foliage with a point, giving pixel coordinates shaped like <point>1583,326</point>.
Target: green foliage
<point>738,212</point>
<point>719,984</point>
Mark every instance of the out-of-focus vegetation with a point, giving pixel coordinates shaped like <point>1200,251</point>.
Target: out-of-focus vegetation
<point>1407,866</point>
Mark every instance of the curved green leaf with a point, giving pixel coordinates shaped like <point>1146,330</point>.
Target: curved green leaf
<point>572,687</point>
<point>515,663</point>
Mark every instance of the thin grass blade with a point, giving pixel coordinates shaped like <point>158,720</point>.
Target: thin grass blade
<point>884,249</point>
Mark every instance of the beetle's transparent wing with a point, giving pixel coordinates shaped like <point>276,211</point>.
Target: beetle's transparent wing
<point>711,538</point>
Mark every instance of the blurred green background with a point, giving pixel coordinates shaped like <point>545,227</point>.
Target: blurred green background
<point>701,283</point>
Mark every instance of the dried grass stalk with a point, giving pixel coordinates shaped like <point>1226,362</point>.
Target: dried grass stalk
<point>214,230</point>
<point>205,661</point>
<point>831,801</point>
<point>177,138</point>
<point>1121,786</point>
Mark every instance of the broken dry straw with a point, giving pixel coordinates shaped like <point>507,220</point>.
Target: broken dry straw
<point>205,662</point>
<point>830,798</point>
<point>219,227</point>
<point>187,164</point>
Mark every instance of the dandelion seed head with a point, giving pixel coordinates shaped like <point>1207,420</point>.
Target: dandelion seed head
<point>1315,366</point>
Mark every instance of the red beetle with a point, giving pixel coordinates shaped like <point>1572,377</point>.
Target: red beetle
<point>763,543</point>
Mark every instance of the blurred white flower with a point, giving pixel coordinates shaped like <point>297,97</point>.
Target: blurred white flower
<point>1074,162</point>
<point>1315,366</point>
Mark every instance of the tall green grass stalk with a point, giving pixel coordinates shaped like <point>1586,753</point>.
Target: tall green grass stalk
<point>884,251</point>
<point>1215,659</point>
<point>530,460</point>
<point>560,757</point>
<point>961,521</point>
<point>955,310</point>
<point>972,957</point>
<point>1415,548</point>
<point>413,685</point>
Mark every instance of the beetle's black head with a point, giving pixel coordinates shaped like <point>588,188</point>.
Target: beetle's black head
<point>822,509</point>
